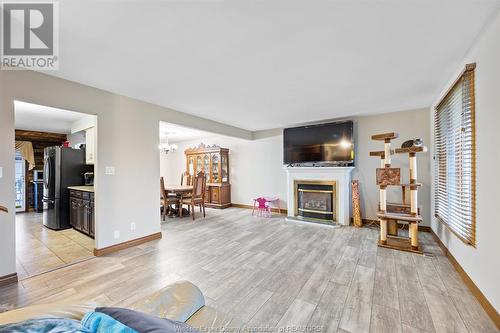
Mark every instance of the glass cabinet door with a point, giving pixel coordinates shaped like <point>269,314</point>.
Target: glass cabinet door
<point>215,168</point>
<point>224,168</point>
<point>206,166</point>
<point>191,165</point>
<point>199,164</point>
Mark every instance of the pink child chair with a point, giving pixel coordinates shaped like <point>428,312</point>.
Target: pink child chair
<point>263,207</point>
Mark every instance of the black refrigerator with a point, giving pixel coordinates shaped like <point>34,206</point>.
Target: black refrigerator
<point>63,167</point>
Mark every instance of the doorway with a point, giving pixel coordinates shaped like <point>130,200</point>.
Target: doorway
<point>186,153</point>
<point>55,223</point>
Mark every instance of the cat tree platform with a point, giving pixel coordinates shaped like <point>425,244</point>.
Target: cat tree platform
<point>401,244</point>
<point>411,150</point>
<point>380,153</point>
<point>400,217</point>
<point>390,213</point>
<point>385,136</point>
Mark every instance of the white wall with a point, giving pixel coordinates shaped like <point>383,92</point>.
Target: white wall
<point>256,167</point>
<point>75,139</point>
<point>128,138</point>
<point>482,263</point>
<point>84,123</point>
<point>7,195</point>
<point>409,125</point>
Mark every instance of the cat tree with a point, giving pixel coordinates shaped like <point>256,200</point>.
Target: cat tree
<point>390,214</point>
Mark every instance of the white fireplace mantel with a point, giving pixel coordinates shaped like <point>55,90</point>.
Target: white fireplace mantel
<point>342,177</point>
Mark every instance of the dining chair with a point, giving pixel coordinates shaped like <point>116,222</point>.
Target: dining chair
<point>198,195</point>
<point>186,178</point>
<point>166,201</point>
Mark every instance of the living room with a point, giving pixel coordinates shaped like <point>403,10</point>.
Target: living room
<point>274,272</point>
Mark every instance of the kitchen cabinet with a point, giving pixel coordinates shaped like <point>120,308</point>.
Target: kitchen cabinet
<point>81,211</point>
<point>74,211</point>
<point>90,141</point>
<point>91,219</point>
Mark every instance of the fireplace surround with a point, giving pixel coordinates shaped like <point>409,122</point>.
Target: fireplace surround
<point>316,200</point>
<point>340,176</point>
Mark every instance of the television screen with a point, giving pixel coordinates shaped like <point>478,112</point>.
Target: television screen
<point>332,142</point>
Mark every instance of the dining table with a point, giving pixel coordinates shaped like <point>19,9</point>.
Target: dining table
<point>180,191</point>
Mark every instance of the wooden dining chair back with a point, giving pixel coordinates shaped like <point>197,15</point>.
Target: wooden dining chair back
<point>163,198</point>
<point>186,178</point>
<point>163,193</point>
<point>198,195</point>
<point>199,186</point>
<point>166,201</point>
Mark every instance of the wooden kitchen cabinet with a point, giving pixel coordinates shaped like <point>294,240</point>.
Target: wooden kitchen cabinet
<point>214,162</point>
<point>74,211</point>
<point>91,219</point>
<point>90,143</point>
<point>81,212</point>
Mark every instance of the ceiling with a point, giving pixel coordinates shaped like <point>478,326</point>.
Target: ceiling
<point>267,64</point>
<point>177,133</point>
<point>33,117</point>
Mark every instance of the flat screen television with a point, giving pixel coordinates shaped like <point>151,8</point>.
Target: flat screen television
<point>331,143</point>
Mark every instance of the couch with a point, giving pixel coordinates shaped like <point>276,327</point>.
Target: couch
<point>181,301</point>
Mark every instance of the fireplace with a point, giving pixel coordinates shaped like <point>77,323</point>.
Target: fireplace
<point>315,200</point>
<point>338,180</point>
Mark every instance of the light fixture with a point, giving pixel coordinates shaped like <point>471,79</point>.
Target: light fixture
<point>345,144</point>
<point>165,147</point>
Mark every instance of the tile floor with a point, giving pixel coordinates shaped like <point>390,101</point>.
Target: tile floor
<point>40,249</point>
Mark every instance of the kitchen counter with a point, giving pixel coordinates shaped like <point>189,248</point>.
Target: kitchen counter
<point>82,188</point>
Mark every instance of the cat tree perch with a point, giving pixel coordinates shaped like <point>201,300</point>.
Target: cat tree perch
<point>391,213</point>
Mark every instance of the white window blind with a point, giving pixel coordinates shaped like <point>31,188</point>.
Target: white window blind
<point>454,149</point>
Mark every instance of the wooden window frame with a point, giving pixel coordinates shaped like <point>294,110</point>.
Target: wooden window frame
<point>469,71</point>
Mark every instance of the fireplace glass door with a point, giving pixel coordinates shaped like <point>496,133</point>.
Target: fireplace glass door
<point>315,201</point>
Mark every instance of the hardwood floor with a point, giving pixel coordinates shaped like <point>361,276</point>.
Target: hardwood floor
<point>39,249</point>
<point>272,273</point>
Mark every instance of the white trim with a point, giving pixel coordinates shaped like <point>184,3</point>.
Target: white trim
<point>341,175</point>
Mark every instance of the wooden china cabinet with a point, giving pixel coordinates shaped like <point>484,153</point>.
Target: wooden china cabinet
<point>214,162</point>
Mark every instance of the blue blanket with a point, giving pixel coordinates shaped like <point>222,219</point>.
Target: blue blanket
<point>45,325</point>
<point>102,323</point>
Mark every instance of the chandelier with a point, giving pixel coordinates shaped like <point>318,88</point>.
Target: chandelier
<point>165,147</point>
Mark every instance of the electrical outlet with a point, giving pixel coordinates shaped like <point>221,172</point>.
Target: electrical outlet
<point>117,234</point>
<point>110,170</point>
<point>132,226</point>
<point>1,172</point>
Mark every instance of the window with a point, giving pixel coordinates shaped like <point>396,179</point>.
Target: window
<point>454,149</point>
